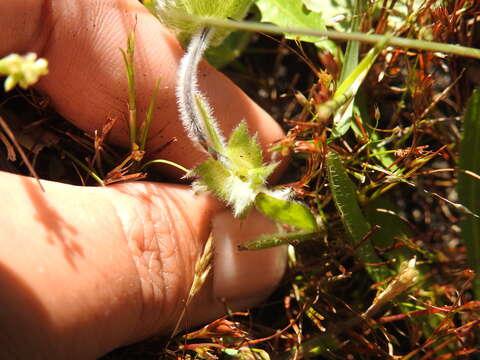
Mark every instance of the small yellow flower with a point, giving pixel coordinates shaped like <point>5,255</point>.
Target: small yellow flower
<point>22,70</point>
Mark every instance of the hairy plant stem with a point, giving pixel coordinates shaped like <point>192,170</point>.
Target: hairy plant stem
<point>195,111</point>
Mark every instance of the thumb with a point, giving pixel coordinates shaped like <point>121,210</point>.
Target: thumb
<point>183,223</point>
<point>112,266</point>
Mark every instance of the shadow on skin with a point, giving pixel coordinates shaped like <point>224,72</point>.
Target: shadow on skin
<point>58,230</point>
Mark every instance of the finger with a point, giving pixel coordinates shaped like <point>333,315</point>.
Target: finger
<point>109,266</point>
<point>87,81</point>
<point>183,223</point>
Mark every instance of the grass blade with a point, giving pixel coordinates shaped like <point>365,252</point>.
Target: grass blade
<point>271,240</point>
<point>145,128</point>
<point>166,162</point>
<point>353,47</point>
<point>132,102</point>
<point>345,198</point>
<point>343,98</point>
<point>350,62</point>
<point>469,187</point>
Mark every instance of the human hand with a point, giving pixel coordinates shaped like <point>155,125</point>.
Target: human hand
<point>85,269</point>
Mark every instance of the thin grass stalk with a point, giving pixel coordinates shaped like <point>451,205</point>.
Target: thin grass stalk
<point>422,45</point>
<point>83,166</point>
<point>132,97</point>
<point>148,118</point>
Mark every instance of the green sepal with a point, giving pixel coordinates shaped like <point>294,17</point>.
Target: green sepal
<point>286,212</point>
<point>243,149</point>
<point>212,175</point>
<point>262,173</point>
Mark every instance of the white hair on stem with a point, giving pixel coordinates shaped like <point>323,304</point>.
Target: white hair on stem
<point>195,111</point>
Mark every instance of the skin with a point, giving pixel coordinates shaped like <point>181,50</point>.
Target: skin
<point>84,270</point>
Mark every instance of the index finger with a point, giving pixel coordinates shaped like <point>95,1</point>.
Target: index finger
<point>87,81</point>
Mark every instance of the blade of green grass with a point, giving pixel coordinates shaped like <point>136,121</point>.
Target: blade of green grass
<point>89,171</point>
<point>145,128</point>
<point>469,187</point>
<point>345,198</point>
<point>166,162</point>
<point>132,102</point>
<point>271,240</point>
<point>342,102</point>
<point>350,61</point>
<point>353,46</point>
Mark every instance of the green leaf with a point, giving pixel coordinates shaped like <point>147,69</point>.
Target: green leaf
<point>353,47</point>
<point>271,240</point>
<point>392,230</point>
<point>150,5</point>
<point>291,13</point>
<point>259,175</point>
<point>345,198</point>
<point>342,102</point>
<point>231,48</point>
<point>243,150</point>
<point>213,175</point>
<point>286,211</point>
<point>469,187</point>
<point>336,13</point>
<point>172,13</point>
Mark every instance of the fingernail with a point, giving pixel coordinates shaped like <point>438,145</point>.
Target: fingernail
<point>245,277</point>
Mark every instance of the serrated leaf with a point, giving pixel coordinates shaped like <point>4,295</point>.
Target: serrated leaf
<point>291,13</point>
<point>272,240</point>
<point>286,211</point>
<point>346,202</point>
<point>213,175</point>
<point>243,150</point>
